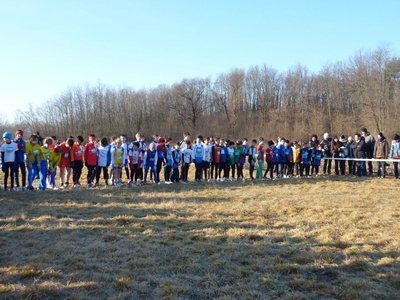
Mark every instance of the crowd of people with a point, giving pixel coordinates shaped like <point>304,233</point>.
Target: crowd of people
<point>214,159</point>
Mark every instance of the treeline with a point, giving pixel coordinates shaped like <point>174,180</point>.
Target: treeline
<point>341,98</point>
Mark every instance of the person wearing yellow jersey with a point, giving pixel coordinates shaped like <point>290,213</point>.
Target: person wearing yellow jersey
<point>54,161</point>
<point>44,158</point>
<point>117,161</point>
<point>32,159</point>
<point>296,157</point>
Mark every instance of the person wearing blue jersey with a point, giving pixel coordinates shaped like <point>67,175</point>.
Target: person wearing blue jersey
<point>20,160</point>
<point>150,163</point>
<point>198,155</point>
<point>350,154</point>
<point>280,147</point>
<point>288,164</point>
<point>168,161</point>
<point>207,159</point>
<point>316,159</point>
<point>223,159</point>
<point>187,156</point>
<point>305,156</point>
<point>176,161</point>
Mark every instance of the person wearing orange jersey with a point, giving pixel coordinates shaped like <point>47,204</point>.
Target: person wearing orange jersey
<point>77,160</point>
<point>90,155</point>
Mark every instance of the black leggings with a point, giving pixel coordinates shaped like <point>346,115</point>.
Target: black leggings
<point>77,171</point>
<point>105,174</point>
<point>91,174</point>
<point>9,172</point>
<point>20,166</point>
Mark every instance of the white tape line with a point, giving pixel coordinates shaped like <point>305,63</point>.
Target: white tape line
<point>363,159</point>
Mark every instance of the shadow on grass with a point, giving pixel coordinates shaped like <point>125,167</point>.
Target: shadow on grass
<point>77,245</point>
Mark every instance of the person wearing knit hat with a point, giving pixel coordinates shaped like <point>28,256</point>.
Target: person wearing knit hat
<point>326,149</point>
<point>8,152</point>
<point>20,161</point>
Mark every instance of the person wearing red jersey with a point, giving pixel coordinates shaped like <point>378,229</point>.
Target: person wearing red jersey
<point>215,161</point>
<point>269,159</point>
<point>65,163</point>
<point>90,156</point>
<point>77,161</point>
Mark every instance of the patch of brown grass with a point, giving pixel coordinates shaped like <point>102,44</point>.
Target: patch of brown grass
<point>291,239</point>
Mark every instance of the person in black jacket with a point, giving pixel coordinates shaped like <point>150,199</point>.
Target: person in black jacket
<point>326,150</point>
<point>359,152</point>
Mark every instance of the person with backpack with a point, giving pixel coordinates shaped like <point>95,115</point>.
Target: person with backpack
<point>395,154</point>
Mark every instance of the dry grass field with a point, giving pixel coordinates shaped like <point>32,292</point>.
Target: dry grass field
<point>317,238</point>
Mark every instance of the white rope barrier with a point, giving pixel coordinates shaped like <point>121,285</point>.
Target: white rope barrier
<point>363,159</point>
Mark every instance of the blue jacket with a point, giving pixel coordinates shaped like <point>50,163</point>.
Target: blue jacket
<point>281,152</point>
<point>317,156</point>
<point>21,151</point>
<point>305,155</point>
<point>288,153</point>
